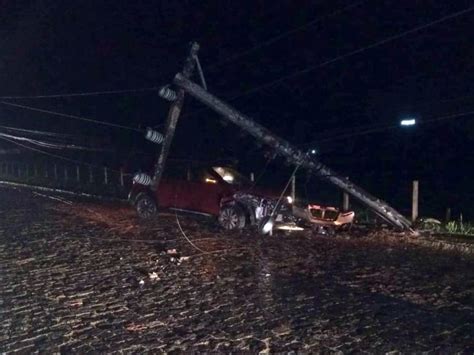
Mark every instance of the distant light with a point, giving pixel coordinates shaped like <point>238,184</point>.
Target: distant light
<point>409,122</point>
<point>289,199</point>
<point>211,181</point>
<point>313,151</point>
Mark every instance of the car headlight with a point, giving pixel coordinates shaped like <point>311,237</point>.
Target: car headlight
<point>289,199</point>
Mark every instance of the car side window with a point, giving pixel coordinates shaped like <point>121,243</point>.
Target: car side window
<point>202,175</point>
<point>176,172</point>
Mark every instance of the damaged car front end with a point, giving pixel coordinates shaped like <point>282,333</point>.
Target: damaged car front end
<point>261,211</point>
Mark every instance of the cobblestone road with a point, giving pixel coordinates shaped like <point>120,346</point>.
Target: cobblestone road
<point>86,276</point>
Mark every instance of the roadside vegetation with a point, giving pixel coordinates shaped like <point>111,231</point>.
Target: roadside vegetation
<point>459,227</point>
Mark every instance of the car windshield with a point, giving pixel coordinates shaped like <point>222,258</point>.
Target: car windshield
<point>231,176</point>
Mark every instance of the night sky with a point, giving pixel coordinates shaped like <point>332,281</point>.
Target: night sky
<point>348,109</point>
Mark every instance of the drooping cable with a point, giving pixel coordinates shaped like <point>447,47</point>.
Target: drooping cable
<point>48,144</point>
<point>72,116</point>
<point>87,93</point>
<point>286,34</point>
<point>35,132</point>
<point>54,155</point>
<point>354,52</point>
<point>368,130</point>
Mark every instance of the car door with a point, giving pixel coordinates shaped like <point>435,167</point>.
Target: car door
<point>169,189</point>
<point>204,191</point>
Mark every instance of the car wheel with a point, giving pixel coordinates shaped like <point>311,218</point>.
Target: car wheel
<point>146,207</point>
<point>232,217</point>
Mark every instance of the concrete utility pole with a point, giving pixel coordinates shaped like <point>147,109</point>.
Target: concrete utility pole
<point>173,116</point>
<point>291,153</point>
<point>414,201</point>
<point>345,201</point>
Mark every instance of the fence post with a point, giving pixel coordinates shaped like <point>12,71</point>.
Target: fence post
<point>345,200</point>
<point>414,202</point>
<point>448,214</point>
<point>91,176</point>
<point>35,169</point>
<point>106,177</point>
<point>65,173</point>
<point>55,171</point>
<point>78,173</point>
<point>252,177</point>
<point>121,177</point>
<point>46,172</point>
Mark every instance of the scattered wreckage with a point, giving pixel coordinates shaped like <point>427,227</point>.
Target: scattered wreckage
<point>183,85</point>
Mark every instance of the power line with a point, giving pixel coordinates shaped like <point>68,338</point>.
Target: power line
<point>338,58</point>
<point>50,145</point>
<point>286,34</point>
<point>71,116</point>
<point>54,155</point>
<point>87,93</point>
<point>383,128</point>
<point>354,52</point>
<point>45,153</point>
<point>52,134</point>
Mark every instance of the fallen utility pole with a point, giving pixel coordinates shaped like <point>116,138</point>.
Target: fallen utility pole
<point>292,154</point>
<point>173,116</point>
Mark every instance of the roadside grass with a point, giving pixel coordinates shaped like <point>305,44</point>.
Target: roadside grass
<point>459,227</point>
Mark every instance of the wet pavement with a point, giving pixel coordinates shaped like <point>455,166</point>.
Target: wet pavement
<point>80,276</point>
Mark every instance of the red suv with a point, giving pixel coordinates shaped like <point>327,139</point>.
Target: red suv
<point>218,191</point>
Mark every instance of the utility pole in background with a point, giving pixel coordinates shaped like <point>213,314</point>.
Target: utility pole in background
<point>414,201</point>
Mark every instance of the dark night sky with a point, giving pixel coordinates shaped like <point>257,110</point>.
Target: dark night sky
<point>63,46</point>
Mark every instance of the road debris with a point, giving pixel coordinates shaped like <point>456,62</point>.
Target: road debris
<point>154,276</point>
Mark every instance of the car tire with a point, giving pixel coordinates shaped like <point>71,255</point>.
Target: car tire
<point>232,217</point>
<point>146,207</point>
